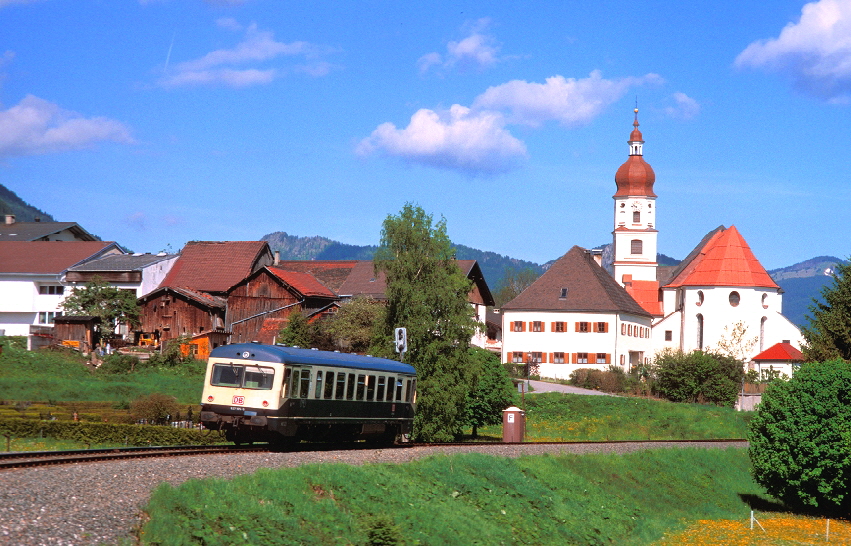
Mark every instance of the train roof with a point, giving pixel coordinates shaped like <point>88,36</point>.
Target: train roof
<point>309,357</point>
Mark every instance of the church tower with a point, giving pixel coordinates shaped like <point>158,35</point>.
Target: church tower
<point>635,215</point>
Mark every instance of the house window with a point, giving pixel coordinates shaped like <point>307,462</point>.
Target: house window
<point>601,358</point>
<point>51,289</point>
<point>601,327</point>
<point>517,357</point>
<point>669,335</point>
<point>582,358</point>
<point>734,298</point>
<point>558,358</point>
<point>583,326</point>
<point>559,327</point>
<point>47,317</point>
<point>629,330</point>
<point>636,217</point>
<point>537,326</point>
<point>535,358</point>
<point>517,326</point>
<point>636,246</point>
<point>623,329</point>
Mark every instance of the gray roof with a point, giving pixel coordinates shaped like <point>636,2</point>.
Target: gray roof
<point>123,262</point>
<point>33,231</point>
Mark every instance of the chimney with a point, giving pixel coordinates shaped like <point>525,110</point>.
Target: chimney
<point>10,219</point>
<point>277,257</point>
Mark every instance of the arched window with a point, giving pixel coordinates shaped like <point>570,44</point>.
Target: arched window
<point>765,301</point>
<point>762,333</point>
<point>735,298</point>
<point>700,297</point>
<point>636,246</point>
<point>636,217</point>
<point>700,331</point>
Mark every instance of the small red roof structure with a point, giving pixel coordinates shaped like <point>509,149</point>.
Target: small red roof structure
<point>331,273</point>
<point>780,352</point>
<point>646,293</point>
<point>305,283</point>
<point>216,266</point>
<point>722,259</point>
<point>51,257</point>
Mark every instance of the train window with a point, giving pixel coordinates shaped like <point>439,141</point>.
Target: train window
<point>361,386</point>
<point>287,389</point>
<point>318,387</point>
<point>294,383</point>
<point>399,390</point>
<point>408,390</point>
<point>304,386</point>
<point>341,386</point>
<point>329,386</point>
<point>350,387</point>
<point>390,382</point>
<point>370,387</point>
<point>226,375</point>
<point>257,377</point>
<point>379,394</point>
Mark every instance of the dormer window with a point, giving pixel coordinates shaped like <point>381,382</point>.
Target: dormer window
<point>563,294</point>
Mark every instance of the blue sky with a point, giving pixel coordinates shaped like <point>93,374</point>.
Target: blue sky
<point>157,122</point>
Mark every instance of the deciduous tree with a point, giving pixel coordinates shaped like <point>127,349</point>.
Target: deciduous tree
<point>491,392</point>
<point>98,298</point>
<point>800,438</point>
<point>513,283</point>
<point>698,377</point>
<point>828,336</point>
<point>427,294</point>
<point>353,326</point>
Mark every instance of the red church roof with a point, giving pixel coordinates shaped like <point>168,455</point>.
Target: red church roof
<point>780,351</point>
<point>724,260</point>
<point>635,176</point>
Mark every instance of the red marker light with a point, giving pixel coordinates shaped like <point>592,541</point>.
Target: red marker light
<point>209,399</point>
<point>265,404</point>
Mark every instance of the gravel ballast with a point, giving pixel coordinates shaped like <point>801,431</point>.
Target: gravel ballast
<point>100,503</point>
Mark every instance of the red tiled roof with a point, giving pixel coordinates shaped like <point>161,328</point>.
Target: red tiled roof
<point>646,293</point>
<point>305,283</point>
<point>724,260</point>
<point>270,328</point>
<point>781,351</point>
<point>362,281</point>
<point>215,266</point>
<point>49,257</point>
<point>208,300</point>
<point>331,273</point>
<point>589,288</point>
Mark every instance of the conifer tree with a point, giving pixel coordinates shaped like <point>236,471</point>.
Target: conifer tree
<point>427,294</point>
<point>828,335</point>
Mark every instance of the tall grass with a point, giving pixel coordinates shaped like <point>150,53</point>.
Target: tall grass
<point>64,376</point>
<point>460,499</point>
<point>572,417</point>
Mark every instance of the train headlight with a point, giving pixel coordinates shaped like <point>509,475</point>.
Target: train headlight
<point>209,399</point>
<point>265,404</point>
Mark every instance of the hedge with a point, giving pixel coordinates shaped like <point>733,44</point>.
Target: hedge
<point>108,433</point>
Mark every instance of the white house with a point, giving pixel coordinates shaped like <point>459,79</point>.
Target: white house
<point>575,316</point>
<point>32,277</point>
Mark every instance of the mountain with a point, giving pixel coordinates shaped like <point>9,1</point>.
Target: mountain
<point>802,283</point>
<point>10,203</point>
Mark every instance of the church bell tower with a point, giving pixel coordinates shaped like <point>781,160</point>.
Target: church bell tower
<point>635,215</point>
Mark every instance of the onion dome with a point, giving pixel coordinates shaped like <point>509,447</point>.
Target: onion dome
<point>636,176</point>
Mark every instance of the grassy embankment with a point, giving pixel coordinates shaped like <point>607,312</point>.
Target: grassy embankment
<point>463,499</point>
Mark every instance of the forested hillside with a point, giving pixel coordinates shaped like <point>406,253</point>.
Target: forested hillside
<point>10,203</point>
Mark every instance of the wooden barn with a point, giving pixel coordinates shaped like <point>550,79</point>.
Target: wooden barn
<point>170,312</point>
<point>77,332</point>
<point>269,295</point>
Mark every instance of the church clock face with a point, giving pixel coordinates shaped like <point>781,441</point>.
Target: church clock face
<point>636,206</point>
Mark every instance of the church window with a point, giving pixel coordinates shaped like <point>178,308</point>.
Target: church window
<point>699,297</point>
<point>734,298</point>
<point>669,335</point>
<point>765,301</point>
<point>636,217</point>
<point>636,246</point>
<point>700,331</point>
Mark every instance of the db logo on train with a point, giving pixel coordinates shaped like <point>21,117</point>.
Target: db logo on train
<point>238,400</point>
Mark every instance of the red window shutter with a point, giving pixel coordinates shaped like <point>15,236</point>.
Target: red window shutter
<point>577,326</point>
<point>525,356</point>
<point>543,358</point>
<point>593,326</point>
<point>551,358</point>
<point>522,326</point>
<point>608,358</point>
<point>573,357</point>
<point>552,327</point>
<point>605,327</point>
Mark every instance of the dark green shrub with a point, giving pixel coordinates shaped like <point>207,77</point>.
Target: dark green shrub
<point>800,438</point>
<point>614,379</point>
<point>698,377</point>
<point>118,363</point>
<point>155,408</point>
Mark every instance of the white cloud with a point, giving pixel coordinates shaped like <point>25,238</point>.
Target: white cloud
<point>478,50</point>
<point>36,126</point>
<point>229,23</point>
<point>474,142</point>
<point>686,107</point>
<point>571,102</point>
<point>815,52</point>
<point>4,3</point>
<point>226,66</point>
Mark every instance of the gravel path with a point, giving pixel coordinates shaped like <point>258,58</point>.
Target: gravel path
<point>100,503</point>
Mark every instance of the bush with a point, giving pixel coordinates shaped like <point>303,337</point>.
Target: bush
<point>800,438</point>
<point>118,363</point>
<point>698,377</point>
<point>614,379</point>
<point>155,408</point>
<point>107,433</point>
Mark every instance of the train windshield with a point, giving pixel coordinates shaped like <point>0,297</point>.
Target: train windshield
<point>237,375</point>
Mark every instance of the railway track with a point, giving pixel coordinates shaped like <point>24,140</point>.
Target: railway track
<point>24,459</point>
